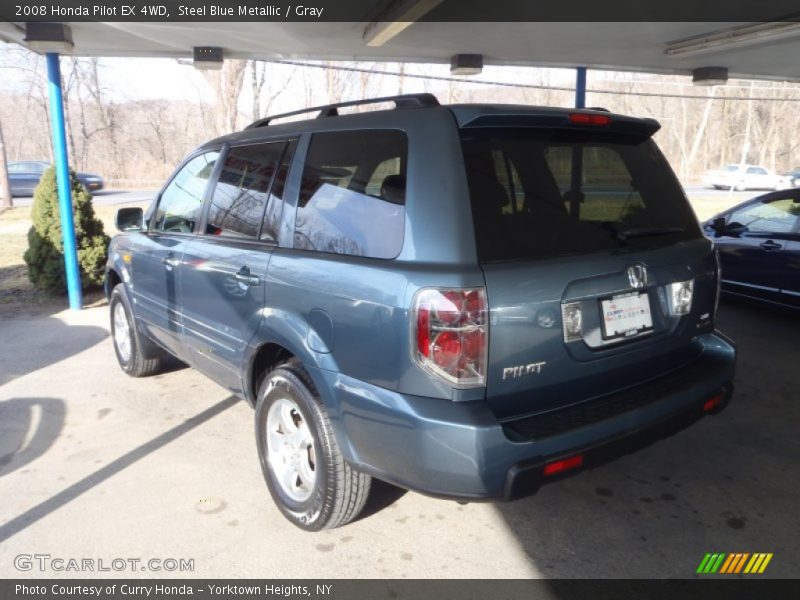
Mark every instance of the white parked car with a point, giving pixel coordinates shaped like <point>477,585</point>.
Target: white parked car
<point>745,177</point>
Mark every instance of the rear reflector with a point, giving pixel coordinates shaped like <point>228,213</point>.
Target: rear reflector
<point>589,119</point>
<point>713,402</point>
<point>559,466</point>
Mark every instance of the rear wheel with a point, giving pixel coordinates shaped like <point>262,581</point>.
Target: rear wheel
<point>306,475</point>
<point>127,342</point>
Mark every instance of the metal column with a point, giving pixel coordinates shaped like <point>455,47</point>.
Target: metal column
<point>63,181</point>
<point>575,194</point>
<point>580,87</point>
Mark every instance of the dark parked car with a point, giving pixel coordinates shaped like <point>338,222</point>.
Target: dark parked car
<point>793,177</point>
<point>468,301</point>
<point>24,176</point>
<point>759,248</point>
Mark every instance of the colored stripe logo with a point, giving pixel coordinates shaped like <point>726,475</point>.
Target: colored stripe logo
<point>737,562</point>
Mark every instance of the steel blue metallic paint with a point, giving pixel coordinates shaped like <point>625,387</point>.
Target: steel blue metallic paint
<point>347,319</point>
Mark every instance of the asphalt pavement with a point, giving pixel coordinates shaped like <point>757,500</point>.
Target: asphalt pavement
<point>95,464</point>
<point>106,197</point>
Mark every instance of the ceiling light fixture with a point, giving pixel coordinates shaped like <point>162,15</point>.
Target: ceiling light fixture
<point>737,37</point>
<point>208,58</point>
<point>395,16</point>
<point>710,76</point>
<point>48,37</point>
<point>466,64</point>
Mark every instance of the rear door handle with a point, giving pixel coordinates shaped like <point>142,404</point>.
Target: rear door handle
<point>170,262</point>
<point>770,245</point>
<point>244,276</point>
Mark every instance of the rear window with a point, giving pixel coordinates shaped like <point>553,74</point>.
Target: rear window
<point>545,193</point>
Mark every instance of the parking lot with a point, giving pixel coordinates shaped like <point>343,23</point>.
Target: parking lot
<point>94,464</point>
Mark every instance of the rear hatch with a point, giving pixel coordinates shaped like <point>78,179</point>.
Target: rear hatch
<point>582,229</point>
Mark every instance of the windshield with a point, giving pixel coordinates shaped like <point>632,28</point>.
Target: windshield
<point>730,168</point>
<point>544,193</point>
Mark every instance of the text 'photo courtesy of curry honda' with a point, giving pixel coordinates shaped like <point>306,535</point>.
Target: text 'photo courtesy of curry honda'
<point>468,301</point>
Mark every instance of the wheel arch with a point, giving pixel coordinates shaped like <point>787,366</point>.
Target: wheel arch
<point>282,336</point>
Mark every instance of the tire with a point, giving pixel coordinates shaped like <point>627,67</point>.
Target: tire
<point>131,358</point>
<point>308,479</point>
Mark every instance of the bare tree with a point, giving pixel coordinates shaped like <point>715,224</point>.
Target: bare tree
<point>261,74</point>
<point>227,85</point>
<point>5,187</point>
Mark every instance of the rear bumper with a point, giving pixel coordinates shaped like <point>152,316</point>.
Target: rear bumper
<point>460,450</point>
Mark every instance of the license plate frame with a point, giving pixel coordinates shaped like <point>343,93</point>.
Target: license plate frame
<point>638,324</point>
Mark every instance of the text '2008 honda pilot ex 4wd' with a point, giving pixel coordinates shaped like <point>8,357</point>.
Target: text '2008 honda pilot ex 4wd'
<point>467,301</point>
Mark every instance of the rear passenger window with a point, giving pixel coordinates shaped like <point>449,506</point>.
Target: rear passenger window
<point>352,196</point>
<point>242,192</point>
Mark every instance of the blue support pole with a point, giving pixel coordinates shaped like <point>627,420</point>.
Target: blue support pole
<point>62,178</point>
<point>580,87</point>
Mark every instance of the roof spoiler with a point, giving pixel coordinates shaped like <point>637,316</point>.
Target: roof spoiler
<point>564,119</point>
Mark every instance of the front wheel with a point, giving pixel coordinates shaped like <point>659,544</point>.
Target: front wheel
<point>127,343</point>
<point>305,472</point>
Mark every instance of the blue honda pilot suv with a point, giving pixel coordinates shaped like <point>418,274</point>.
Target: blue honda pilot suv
<point>467,301</point>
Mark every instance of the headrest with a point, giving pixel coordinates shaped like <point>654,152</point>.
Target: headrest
<point>486,189</point>
<point>393,189</point>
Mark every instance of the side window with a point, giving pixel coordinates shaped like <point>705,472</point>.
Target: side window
<point>181,203</point>
<point>778,216</point>
<point>353,194</point>
<point>242,192</point>
<point>272,216</point>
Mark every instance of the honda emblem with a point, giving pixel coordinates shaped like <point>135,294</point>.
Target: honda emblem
<point>637,275</point>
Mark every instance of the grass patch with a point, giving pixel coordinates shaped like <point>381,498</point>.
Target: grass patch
<point>706,207</point>
<point>17,294</point>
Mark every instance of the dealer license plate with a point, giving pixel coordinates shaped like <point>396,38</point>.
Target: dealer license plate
<point>626,315</point>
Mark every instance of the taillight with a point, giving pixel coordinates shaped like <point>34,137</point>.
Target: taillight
<point>450,332</point>
<point>589,119</point>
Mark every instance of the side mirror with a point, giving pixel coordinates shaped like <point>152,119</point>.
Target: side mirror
<point>129,219</point>
<point>718,225</point>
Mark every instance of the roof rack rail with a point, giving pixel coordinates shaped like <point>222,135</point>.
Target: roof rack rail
<point>332,110</point>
